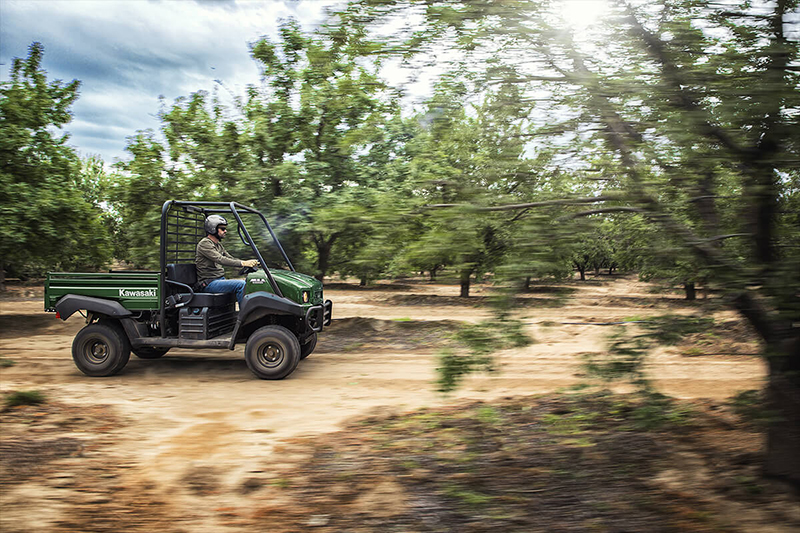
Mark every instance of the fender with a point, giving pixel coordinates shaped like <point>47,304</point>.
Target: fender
<point>71,303</point>
<point>258,304</point>
<point>270,304</point>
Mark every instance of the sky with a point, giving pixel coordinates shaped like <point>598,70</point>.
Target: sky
<point>128,53</point>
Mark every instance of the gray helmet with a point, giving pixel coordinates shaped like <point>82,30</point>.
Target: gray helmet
<point>213,222</point>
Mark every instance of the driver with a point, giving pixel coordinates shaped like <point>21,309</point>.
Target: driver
<point>211,257</point>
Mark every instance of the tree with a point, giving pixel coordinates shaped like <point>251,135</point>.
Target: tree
<point>327,110</point>
<point>688,106</point>
<point>50,217</point>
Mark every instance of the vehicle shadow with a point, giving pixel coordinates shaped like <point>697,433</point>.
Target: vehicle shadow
<point>190,363</point>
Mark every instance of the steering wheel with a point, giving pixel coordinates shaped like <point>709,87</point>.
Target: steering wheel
<point>247,270</point>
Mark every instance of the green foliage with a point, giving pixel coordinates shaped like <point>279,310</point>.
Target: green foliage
<point>49,200</point>
<point>624,359</point>
<point>669,330</point>
<point>482,340</point>
<point>492,335</point>
<point>627,352</point>
<point>17,398</point>
<point>453,367</point>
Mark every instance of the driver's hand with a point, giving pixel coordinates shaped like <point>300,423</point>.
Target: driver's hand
<point>251,263</point>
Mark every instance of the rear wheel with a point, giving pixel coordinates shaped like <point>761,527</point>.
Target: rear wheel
<point>308,347</point>
<point>149,352</point>
<point>101,350</point>
<point>272,352</point>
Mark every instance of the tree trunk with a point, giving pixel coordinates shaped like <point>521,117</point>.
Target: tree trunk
<point>323,257</point>
<point>783,400</point>
<point>2,277</point>
<point>528,283</point>
<point>691,293</point>
<point>363,282</point>
<point>783,389</point>
<point>465,275</point>
<point>582,270</point>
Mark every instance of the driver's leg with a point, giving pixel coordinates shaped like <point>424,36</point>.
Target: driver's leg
<point>227,285</point>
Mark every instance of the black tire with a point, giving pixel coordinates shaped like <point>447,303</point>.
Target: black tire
<point>308,347</point>
<point>149,352</point>
<point>272,352</point>
<point>101,350</point>
<point>116,326</point>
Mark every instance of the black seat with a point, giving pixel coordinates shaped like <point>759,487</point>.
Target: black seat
<point>186,273</point>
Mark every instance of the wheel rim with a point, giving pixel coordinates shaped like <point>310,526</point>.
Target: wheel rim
<point>96,351</point>
<point>270,355</point>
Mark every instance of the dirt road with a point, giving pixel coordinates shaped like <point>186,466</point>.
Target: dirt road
<point>192,411</point>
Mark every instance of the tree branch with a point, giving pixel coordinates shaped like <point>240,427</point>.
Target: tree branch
<point>728,236</point>
<point>686,100</point>
<point>521,79</point>
<point>604,210</point>
<point>571,201</point>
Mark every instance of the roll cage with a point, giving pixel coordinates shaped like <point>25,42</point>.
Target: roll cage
<point>182,227</point>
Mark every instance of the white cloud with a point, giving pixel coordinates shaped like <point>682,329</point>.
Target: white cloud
<point>127,53</point>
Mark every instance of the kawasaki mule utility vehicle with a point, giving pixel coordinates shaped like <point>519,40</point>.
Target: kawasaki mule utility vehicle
<point>150,312</point>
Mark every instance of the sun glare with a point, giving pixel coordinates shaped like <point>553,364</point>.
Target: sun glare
<point>580,14</point>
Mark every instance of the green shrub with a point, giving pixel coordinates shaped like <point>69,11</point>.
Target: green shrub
<point>31,397</point>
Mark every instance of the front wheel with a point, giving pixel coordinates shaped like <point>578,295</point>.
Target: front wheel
<point>272,352</point>
<point>100,350</point>
<point>149,352</point>
<point>308,347</point>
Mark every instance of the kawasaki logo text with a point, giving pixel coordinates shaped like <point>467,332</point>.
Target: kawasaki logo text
<point>141,293</point>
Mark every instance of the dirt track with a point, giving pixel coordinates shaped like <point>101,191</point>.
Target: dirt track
<point>190,411</point>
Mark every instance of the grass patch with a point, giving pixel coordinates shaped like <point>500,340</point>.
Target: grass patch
<point>751,407</point>
<point>568,423</point>
<point>467,497</point>
<point>32,397</point>
<point>5,362</point>
<point>657,411</point>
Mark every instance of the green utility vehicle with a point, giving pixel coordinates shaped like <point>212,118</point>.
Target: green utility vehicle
<point>151,312</point>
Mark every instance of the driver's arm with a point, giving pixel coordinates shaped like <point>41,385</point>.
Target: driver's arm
<point>207,250</point>
<point>252,263</point>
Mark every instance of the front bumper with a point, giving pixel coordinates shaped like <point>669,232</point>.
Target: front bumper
<point>319,316</point>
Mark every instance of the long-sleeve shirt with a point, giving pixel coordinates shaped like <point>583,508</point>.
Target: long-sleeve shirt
<point>210,257</point>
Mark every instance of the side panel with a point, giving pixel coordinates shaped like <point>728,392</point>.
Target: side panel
<point>135,291</point>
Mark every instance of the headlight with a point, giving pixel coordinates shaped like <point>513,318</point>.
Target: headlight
<point>305,297</point>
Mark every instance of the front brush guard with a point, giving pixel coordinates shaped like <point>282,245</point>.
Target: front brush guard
<point>319,316</point>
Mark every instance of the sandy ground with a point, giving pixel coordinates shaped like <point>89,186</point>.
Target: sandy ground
<point>195,409</point>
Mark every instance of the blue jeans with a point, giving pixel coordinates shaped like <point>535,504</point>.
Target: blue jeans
<point>227,285</point>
